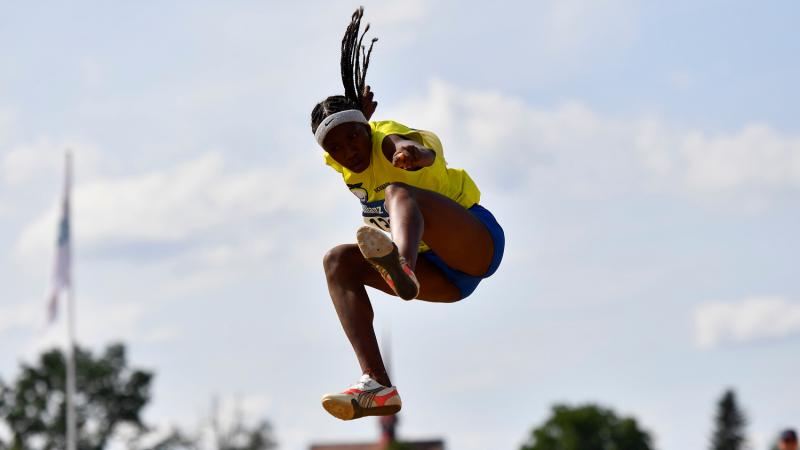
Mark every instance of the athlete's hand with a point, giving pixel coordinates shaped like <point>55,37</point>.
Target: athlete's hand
<point>368,106</point>
<point>409,155</point>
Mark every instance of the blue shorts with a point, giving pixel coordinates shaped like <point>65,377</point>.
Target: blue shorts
<point>467,283</point>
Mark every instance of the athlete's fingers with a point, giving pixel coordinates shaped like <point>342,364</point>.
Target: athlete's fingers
<point>368,95</point>
<point>399,159</point>
<point>368,105</point>
<point>405,159</point>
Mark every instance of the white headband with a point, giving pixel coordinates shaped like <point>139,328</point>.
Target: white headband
<point>350,115</point>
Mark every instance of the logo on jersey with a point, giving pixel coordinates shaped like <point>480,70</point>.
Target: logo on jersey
<point>359,192</point>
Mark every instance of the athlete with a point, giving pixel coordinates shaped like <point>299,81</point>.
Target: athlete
<point>443,243</point>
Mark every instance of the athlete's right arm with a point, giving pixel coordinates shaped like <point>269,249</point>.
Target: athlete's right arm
<point>405,153</point>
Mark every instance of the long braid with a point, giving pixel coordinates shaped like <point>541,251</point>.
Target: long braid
<point>355,58</point>
<point>349,57</point>
<point>363,81</point>
<point>354,63</point>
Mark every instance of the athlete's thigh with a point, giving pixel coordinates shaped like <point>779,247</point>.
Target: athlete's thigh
<point>461,240</point>
<point>434,285</point>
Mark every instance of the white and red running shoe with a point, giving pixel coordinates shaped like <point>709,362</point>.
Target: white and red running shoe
<point>365,398</point>
<point>382,253</point>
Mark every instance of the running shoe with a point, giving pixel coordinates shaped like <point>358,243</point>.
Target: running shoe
<point>382,253</point>
<point>365,398</point>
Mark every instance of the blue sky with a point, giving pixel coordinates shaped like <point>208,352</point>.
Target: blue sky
<point>643,159</point>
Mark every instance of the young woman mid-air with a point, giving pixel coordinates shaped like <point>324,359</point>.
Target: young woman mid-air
<point>442,241</point>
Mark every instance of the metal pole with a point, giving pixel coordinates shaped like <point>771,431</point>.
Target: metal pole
<point>71,422</point>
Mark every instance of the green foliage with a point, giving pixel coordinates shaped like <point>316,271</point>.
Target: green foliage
<point>238,435</point>
<point>242,437</point>
<point>109,393</point>
<point>588,427</point>
<point>175,440</point>
<point>729,424</point>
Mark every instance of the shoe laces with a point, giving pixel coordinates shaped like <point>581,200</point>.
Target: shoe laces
<point>364,381</point>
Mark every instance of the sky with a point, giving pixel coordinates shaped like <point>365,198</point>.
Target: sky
<point>642,158</point>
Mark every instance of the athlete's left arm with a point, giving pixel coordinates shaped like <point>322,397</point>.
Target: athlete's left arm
<point>405,153</point>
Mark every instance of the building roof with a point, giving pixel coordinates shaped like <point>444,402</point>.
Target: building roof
<point>417,445</point>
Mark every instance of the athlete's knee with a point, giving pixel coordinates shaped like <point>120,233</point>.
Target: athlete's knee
<point>341,261</point>
<point>399,192</point>
<point>395,190</point>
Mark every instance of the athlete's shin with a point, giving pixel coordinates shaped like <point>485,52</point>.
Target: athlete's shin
<point>406,219</point>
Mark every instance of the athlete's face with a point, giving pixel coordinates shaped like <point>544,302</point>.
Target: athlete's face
<point>350,145</point>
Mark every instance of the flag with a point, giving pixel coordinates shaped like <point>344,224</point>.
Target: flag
<point>62,270</point>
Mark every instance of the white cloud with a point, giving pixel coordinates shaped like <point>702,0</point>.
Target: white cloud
<point>177,204</point>
<point>511,143</point>
<point>45,157</point>
<point>757,156</point>
<point>205,224</point>
<point>717,323</point>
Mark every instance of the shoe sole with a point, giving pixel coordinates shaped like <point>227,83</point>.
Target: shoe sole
<point>378,249</point>
<point>352,410</point>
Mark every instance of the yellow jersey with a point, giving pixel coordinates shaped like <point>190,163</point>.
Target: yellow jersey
<point>369,185</point>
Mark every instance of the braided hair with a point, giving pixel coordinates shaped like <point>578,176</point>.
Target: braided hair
<point>354,64</point>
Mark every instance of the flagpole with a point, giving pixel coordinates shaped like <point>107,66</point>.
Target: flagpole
<point>71,425</point>
<point>71,422</point>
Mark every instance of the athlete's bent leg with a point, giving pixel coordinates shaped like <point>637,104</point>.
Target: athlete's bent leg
<point>461,240</point>
<point>347,274</point>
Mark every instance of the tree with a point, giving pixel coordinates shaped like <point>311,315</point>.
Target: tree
<point>176,439</point>
<point>243,437</point>
<point>109,393</point>
<point>729,423</point>
<point>239,435</point>
<point>110,397</point>
<point>588,427</point>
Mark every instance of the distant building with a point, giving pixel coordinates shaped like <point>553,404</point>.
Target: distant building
<point>426,445</point>
<point>388,426</point>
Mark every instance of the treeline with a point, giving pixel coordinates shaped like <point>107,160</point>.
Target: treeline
<point>592,427</point>
<point>111,396</point>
